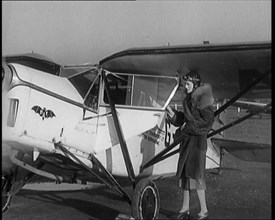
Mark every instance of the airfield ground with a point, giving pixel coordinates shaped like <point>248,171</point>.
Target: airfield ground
<point>242,191</point>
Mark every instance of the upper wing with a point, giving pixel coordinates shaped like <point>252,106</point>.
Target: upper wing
<point>227,67</point>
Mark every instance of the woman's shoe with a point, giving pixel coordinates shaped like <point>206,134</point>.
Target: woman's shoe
<point>203,216</point>
<point>183,215</point>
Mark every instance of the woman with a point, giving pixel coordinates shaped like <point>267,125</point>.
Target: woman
<point>196,121</point>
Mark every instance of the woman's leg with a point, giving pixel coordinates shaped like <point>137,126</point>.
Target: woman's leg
<point>184,185</point>
<point>186,199</point>
<point>201,195</point>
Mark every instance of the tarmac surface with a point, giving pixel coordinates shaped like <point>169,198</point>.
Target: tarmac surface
<point>241,191</point>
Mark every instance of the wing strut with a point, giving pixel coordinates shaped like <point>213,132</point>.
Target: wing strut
<point>227,104</point>
<point>162,155</point>
<point>240,120</point>
<point>115,185</point>
<point>122,141</point>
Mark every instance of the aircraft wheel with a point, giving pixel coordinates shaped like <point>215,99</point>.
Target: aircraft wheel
<point>146,202</point>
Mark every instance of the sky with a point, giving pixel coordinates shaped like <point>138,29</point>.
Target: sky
<point>77,32</point>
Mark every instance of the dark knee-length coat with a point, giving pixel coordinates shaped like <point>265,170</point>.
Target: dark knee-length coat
<point>198,117</point>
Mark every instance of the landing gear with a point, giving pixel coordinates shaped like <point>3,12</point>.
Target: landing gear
<point>146,202</point>
<point>6,202</point>
<point>6,196</point>
<point>12,183</point>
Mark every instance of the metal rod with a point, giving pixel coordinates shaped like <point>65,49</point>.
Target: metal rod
<point>122,141</point>
<point>31,174</point>
<point>34,170</point>
<point>111,178</point>
<point>232,100</point>
<point>119,189</point>
<point>160,156</point>
<point>171,154</point>
<point>238,121</point>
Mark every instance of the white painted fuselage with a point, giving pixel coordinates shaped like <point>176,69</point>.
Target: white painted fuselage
<point>40,109</point>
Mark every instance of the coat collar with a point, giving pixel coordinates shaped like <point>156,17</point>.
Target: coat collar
<point>202,97</point>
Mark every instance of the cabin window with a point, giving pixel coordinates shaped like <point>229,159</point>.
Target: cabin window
<point>87,84</point>
<point>121,89</point>
<point>91,99</point>
<point>140,91</point>
<point>83,81</point>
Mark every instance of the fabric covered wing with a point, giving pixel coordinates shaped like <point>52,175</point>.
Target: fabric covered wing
<point>244,150</point>
<point>226,67</point>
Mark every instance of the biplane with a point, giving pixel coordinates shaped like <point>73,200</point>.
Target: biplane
<point>108,120</point>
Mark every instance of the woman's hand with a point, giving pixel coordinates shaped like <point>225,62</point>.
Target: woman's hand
<point>170,112</point>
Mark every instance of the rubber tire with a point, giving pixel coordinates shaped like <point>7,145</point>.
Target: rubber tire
<point>146,200</point>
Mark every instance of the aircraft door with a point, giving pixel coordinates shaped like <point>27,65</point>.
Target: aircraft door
<point>140,101</point>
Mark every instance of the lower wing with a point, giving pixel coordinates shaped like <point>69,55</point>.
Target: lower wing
<point>244,150</point>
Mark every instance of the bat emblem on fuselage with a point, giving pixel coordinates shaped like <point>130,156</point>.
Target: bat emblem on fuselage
<point>43,112</point>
